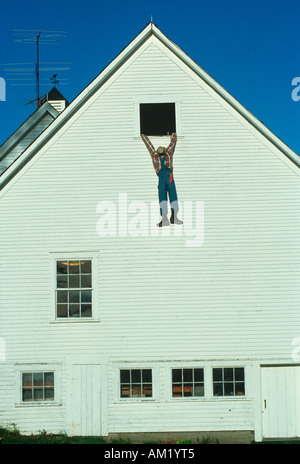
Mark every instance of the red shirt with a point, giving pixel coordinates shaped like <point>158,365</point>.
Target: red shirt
<point>156,157</point>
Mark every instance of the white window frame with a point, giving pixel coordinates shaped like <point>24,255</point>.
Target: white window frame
<point>75,256</point>
<point>136,399</point>
<point>157,99</point>
<point>33,368</point>
<point>189,398</point>
<point>232,366</point>
<point>208,380</point>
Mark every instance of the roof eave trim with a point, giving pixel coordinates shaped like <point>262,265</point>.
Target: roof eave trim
<point>25,128</point>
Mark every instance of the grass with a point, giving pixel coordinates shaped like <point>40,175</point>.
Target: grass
<point>13,436</point>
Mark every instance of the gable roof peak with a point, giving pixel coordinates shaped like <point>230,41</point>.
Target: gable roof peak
<point>149,30</point>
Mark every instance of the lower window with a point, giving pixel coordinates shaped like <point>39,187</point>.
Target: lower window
<point>136,383</point>
<point>228,381</point>
<point>37,386</point>
<point>187,382</point>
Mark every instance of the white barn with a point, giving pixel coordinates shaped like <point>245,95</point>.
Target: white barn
<point>110,325</point>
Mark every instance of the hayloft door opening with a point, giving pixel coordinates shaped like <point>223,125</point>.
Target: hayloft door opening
<point>157,118</point>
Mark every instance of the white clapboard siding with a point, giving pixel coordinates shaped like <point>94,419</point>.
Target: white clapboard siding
<point>175,414</point>
<point>160,417</point>
<point>25,418</point>
<point>235,297</point>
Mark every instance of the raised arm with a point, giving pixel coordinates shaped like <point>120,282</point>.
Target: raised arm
<point>172,144</point>
<point>148,144</point>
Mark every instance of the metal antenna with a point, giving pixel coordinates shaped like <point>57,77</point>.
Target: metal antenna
<point>29,36</point>
<point>37,70</point>
<point>36,37</point>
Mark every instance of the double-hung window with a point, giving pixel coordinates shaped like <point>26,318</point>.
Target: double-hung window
<point>74,289</point>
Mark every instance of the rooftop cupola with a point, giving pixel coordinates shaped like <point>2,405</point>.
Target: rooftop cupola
<point>56,99</point>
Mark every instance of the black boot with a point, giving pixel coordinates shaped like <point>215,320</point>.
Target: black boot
<point>174,219</point>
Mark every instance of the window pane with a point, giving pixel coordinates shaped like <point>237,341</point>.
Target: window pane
<point>49,394</point>
<point>240,388</point>
<point>62,281</point>
<point>228,373</point>
<point>136,390</point>
<point>187,375</point>
<point>176,375</point>
<point>85,267</point>
<point>125,376</point>
<point>49,379</point>
<point>198,389</point>
<point>62,296</point>
<point>147,375</point>
<point>74,310</point>
<point>228,388</point>
<point>27,380</point>
<point>74,296</point>
<point>217,374</point>
<point>27,395</point>
<point>136,375</point>
<point>86,296</point>
<point>86,281</point>
<point>86,310</point>
<point>74,281</point>
<point>38,379</point>
<point>218,389</point>
<point>38,394</point>
<point>125,391</point>
<point>239,373</point>
<point>198,375</point>
<point>147,390</point>
<point>74,267</point>
<point>62,310</point>
<point>62,267</point>
<point>187,389</point>
<point>177,389</point>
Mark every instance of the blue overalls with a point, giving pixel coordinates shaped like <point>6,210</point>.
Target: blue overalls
<point>166,185</point>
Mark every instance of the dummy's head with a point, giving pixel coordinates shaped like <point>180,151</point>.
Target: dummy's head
<point>161,150</point>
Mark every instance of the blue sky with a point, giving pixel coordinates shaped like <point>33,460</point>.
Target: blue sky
<point>251,48</point>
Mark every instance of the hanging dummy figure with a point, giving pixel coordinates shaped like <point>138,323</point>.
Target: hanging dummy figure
<point>162,159</point>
